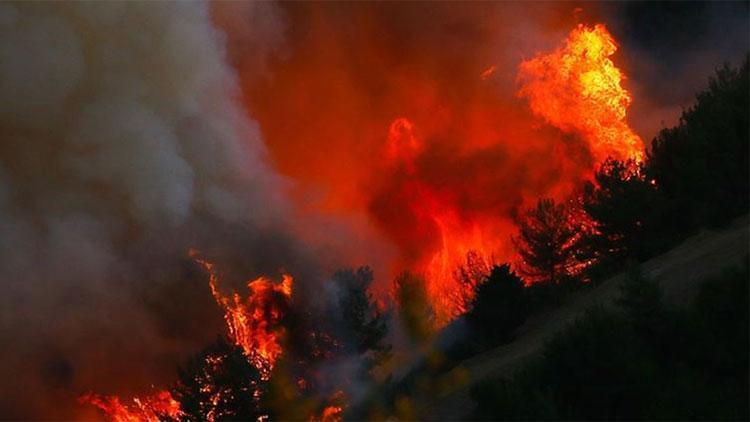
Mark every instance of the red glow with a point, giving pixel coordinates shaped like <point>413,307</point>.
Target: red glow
<point>151,408</point>
<point>253,322</point>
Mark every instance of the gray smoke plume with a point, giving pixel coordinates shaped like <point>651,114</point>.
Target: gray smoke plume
<point>122,144</point>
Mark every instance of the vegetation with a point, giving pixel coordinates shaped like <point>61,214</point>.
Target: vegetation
<point>701,165</point>
<point>219,384</point>
<point>547,243</point>
<point>643,363</point>
<point>640,361</point>
<point>499,307</point>
<point>695,175</point>
<point>365,324</point>
<point>417,317</point>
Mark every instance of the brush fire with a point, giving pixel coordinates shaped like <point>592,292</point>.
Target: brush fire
<point>575,88</point>
<point>294,205</point>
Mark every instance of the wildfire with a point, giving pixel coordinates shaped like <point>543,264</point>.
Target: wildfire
<point>253,322</point>
<point>577,88</point>
<point>458,237</point>
<point>151,408</point>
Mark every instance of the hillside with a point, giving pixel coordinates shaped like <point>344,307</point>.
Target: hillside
<point>679,273</point>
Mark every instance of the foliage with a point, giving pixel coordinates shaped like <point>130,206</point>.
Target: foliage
<point>364,322</point>
<point>415,312</point>
<point>695,175</point>
<point>500,305</point>
<point>644,364</point>
<point>470,276</point>
<point>219,383</point>
<point>624,209</point>
<point>548,244</point>
<point>701,165</point>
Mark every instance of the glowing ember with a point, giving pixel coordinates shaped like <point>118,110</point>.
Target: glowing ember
<point>146,409</point>
<point>253,323</point>
<point>487,73</point>
<point>331,414</point>
<point>577,89</point>
<point>334,411</point>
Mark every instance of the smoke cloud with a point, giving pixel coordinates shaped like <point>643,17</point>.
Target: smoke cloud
<point>124,144</point>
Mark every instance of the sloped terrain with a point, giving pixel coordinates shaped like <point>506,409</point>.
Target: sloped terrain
<point>679,273</point>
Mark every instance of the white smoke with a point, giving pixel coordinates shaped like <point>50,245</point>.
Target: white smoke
<point>122,144</point>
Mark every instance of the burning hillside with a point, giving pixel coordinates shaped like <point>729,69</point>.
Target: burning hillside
<point>434,205</point>
<point>447,230</point>
<point>298,179</point>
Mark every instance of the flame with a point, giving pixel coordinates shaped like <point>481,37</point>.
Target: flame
<point>577,88</point>
<point>151,408</point>
<point>334,411</point>
<point>253,322</point>
<point>458,236</point>
<point>331,414</point>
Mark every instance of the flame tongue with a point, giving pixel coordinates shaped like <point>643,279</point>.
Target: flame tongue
<point>577,89</point>
<point>254,322</point>
<point>151,408</point>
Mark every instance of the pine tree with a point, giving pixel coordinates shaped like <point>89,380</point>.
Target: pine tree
<point>500,305</point>
<point>548,243</point>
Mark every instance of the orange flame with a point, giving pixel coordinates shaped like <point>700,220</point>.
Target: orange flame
<point>151,408</point>
<point>253,323</point>
<point>331,414</point>
<point>334,411</point>
<point>577,88</point>
<point>458,237</point>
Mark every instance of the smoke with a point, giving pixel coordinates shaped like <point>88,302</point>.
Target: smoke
<point>126,140</point>
<point>667,64</point>
<point>124,144</point>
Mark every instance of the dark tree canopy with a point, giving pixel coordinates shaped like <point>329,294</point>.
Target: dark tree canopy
<point>645,363</point>
<point>625,212</point>
<point>364,322</point>
<point>220,383</point>
<point>500,305</point>
<point>548,243</point>
<point>414,310</point>
<point>701,165</point>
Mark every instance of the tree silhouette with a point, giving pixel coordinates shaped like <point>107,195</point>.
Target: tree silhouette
<point>500,305</point>
<point>414,310</point>
<point>624,210</point>
<point>470,276</point>
<point>701,165</point>
<point>548,244</point>
<point>220,384</point>
<point>364,322</point>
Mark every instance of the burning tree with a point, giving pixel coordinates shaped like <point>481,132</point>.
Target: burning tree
<point>220,384</point>
<point>254,323</point>
<point>548,244</point>
<point>469,276</point>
